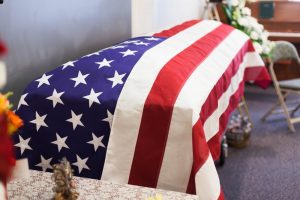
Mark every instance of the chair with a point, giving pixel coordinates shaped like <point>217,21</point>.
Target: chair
<point>284,50</point>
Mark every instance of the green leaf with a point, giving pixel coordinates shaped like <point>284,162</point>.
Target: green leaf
<point>228,13</point>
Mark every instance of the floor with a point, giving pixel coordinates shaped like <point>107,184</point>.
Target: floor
<point>269,167</point>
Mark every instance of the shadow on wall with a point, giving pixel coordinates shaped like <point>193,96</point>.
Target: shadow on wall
<point>42,34</point>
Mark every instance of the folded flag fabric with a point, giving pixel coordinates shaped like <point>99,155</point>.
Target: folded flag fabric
<point>149,111</point>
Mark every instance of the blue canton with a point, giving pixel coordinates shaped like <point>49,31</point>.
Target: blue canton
<point>68,112</point>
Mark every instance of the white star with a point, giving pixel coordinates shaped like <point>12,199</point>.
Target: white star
<point>22,101</point>
<point>69,64</point>
<point>60,142</point>
<point>80,79</point>
<point>117,79</point>
<point>45,164</point>
<point>39,121</point>
<point>142,43</point>
<point>118,47</point>
<point>23,144</point>
<point>81,164</point>
<point>93,97</point>
<point>128,53</point>
<point>104,63</point>
<point>109,118</point>
<point>44,80</point>
<point>153,38</point>
<point>75,120</point>
<point>131,41</point>
<point>55,98</point>
<point>95,53</point>
<point>97,142</point>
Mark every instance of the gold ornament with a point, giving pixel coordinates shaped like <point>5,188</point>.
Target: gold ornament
<point>65,186</point>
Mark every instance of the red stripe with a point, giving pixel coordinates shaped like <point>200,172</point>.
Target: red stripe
<point>5,189</point>
<point>261,76</point>
<point>258,74</point>
<point>214,142</point>
<point>200,154</point>
<point>211,103</point>
<point>210,106</point>
<point>221,197</point>
<point>158,107</point>
<point>203,149</point>
<point>173,31</point>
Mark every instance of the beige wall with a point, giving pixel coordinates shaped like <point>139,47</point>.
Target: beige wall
<point>150,16</point>
<point>42,34</point>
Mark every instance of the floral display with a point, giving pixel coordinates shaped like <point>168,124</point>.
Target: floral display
<point>239,16</point>
<point>9,123</point>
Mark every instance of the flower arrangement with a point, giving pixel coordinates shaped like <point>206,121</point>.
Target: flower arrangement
<point>239,16</point>
<point>9,123</point>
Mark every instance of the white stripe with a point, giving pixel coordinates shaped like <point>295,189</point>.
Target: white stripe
<point>210,189</point>
<point>253,59</point>
<point>176,166</point>
<point>211,126</point>
<point>178,158</point>
<point>2,191</point>
<point>207,181</point>
<point>127,116</point>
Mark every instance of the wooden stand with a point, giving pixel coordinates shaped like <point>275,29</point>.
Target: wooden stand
<point>211,11</point>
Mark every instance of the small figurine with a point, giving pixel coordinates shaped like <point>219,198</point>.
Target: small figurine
<point>65,186</point>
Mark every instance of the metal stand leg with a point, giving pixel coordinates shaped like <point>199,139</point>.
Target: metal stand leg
<point>224,151</point>
<point>243,110</point>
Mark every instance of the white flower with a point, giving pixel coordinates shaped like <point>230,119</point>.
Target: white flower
<point>252,23</point>
<point>257,28</point>
<point>253,35</point>
<point>242,21</point>
<point>264,37</point>
<point>258,48</point>
<point>234,2</point>
<point>242,3</point>
<point>271,44</point>
<point>252,20</point>
<point>266,33</point>
<point>266,49</point>
<point>246,11</point>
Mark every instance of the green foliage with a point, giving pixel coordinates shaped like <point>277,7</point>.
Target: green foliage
<point>240,18</point>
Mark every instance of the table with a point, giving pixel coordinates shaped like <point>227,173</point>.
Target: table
<point>39,186</point>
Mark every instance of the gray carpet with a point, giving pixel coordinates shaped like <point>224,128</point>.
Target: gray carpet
<point>269,168</point>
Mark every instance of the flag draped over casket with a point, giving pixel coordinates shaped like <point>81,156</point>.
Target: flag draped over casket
<point>149,111</point>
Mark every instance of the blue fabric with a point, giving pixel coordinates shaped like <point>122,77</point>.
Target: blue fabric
<point>93,117</point>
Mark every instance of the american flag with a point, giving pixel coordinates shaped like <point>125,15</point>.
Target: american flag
<point>149,111</point>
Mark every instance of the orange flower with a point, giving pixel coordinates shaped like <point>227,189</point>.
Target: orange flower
<point>4,103</point>
<point>8,118</point>
<point>14,122</point>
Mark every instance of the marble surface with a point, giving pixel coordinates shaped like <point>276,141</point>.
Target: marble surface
<point>39,186</point>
